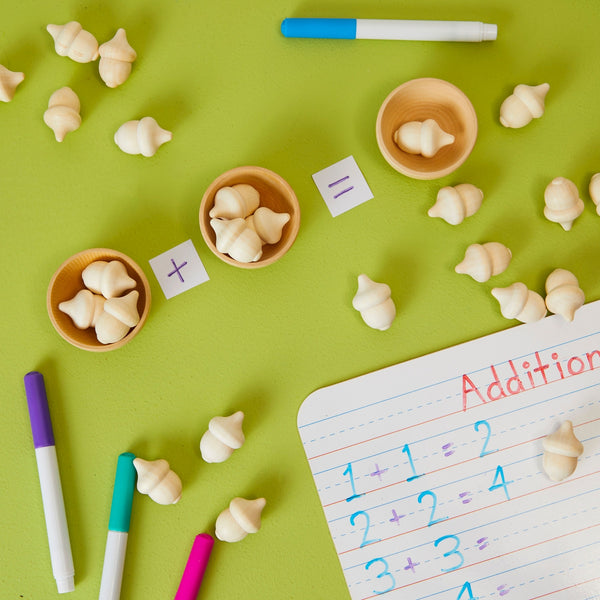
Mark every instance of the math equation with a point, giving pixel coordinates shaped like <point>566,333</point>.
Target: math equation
<point>430,472</point>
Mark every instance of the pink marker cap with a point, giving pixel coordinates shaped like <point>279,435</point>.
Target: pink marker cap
<point>195,567</point>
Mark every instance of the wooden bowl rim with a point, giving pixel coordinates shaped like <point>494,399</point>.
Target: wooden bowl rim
<point>383,143</point>
<point>231,176</point>
<point>102,254</point>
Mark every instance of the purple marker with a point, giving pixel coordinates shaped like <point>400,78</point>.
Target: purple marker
<point>52,497</point>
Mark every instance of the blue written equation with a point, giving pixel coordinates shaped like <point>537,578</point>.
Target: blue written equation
<point>449,549</point>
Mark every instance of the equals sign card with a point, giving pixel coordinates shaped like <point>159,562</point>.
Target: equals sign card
<point>342,186</point>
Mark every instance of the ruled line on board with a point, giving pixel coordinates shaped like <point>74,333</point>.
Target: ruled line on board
<point>470,529</point>
<point>396,448</point>
<point>569,587</point>
<point>426,422</point>
<point>471,512</point>
<point>458,464</point>
<point>444,381</point>
<point>505,572</point>
<point>503,556</point>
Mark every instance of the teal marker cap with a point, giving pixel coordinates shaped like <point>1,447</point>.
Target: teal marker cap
<point>120,509</point>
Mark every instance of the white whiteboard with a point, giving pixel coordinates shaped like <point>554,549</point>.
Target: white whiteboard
<point>430,471</point>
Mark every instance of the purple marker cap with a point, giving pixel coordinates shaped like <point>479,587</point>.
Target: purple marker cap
<point>39,414</point>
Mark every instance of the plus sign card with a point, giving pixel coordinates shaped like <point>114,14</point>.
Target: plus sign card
<point>430,471</point>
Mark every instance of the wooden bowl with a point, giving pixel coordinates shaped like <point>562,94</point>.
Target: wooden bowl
<point>66,282</point>
<point>418,100</point>
<point>275,193</point>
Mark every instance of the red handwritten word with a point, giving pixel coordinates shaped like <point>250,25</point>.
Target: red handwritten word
<point>542,373</point>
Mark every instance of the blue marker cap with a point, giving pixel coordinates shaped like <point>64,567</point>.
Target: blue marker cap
<point>120,509</point>
<point>339,29</point>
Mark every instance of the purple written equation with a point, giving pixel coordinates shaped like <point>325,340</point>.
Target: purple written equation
<point>342,186</point>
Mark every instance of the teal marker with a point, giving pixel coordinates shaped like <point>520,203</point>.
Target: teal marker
<point>118,528</point>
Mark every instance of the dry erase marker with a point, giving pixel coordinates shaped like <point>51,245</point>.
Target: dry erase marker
<point>390,29</point>
<point>52,497</point>
<point>195,567</point>
<point>118,528</point>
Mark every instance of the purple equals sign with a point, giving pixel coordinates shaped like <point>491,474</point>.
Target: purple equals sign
<point>502,589</point>
<point>464,496</point>
<point>347,189</point>
<point>483,543</point>
<point>448,449</point>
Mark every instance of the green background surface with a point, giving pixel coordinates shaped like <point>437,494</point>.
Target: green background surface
<point>235,92</point>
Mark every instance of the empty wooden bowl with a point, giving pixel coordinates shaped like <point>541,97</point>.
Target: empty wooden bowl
<point>275,193</point>
<point>67,281</point>
<point>418,100</point>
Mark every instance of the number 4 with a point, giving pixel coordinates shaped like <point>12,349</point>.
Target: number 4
<point>503,483</point>
<point>466,588</point>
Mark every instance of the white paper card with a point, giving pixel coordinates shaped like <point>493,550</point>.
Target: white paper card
<point>179,269</point>
<point>430,471</point>
<point>343,186</point>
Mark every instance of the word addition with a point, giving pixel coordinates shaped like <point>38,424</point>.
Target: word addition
<point>430,471</point>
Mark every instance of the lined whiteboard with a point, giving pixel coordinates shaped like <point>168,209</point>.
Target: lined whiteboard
<point>430,471</point>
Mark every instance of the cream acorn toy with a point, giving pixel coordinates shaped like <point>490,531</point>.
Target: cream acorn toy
<point>236,201</point>
<point>454,204</point>
<point>142,137</point>
<point>594,189</point>
<point>157,480</point>
<point>116,58</point>
<point>9,80</point>
<point>73,41</point>
<point>235,238</point>
<point>63,115</point>
<point>239,519</point>
<point>523,105</point>
<point>84,308</point>
<point>563,204</point>
<point>268,224</point>
<point>101,305</point>
<point>373,301</point>
<point>563,294</point>
<point>519,302</point>
<point>107,278</point>
<point>224,435</point>
<point>561,450</point>
<point>422,137</point>
<point>483,261</point>
<point>119,316</point>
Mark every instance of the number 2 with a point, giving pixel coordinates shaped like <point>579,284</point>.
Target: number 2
<point>485,424</point>
<point>362,513</point>
<point>384,573</point>
<point>422,495</point>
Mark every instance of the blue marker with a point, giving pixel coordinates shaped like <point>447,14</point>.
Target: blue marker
<point>118,528</point>
<point>390,29</point>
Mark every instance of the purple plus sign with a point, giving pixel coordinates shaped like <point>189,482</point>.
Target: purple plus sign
<point>396,518</point>
<point>411,565</point>
<point>176,270</point>
<point>378,472</point>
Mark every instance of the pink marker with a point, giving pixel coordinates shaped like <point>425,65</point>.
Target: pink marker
<point>195,567</point>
